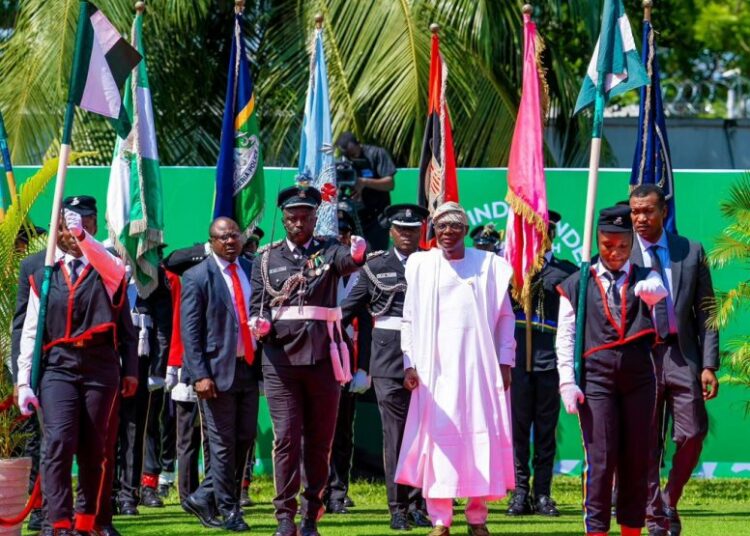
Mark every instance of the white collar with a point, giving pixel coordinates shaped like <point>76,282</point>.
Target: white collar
<point>68,258</point>
<point>292,246</point>
<point>601,270</point>
<point>662,242</point>
<point>399,255</point>
<point>548,256</point>
<point>223,264</point>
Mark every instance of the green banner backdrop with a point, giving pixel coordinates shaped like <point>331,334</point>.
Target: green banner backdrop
<point>188,194</point>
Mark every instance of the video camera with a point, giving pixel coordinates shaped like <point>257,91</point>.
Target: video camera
<point>347,172</point>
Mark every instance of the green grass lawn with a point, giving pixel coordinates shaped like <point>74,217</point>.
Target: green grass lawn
<point>709,508</point>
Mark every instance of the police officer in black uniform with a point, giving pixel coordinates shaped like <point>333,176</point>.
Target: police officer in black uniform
<point>534,394</point>
<point>487,238</point>
<point>381,289</point>
<point>305,361</point>
<point>87,330</point>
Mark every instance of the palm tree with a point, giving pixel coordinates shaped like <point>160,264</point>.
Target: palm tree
<point>378,57</point>
<point>733,248</point>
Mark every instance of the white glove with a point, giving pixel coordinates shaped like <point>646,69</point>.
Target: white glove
<point>651,290</point>
<point>259,326</point>
<point>571,396</point>
<point>26,397</point>
<point>358,248</point>
<point>183,392</point>
<point>155,383</point>
<point>172,379</point>
<point>73,222</point>
<point>360,382</point>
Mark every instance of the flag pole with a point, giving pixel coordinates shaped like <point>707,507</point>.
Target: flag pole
<point>62,170</point>
<point>588,229</point>
<point>647,6</point>
<point>528,9</point>
<point>9,176</point>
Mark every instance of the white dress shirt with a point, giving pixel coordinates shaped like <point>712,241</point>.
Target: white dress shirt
<point>246,291</point>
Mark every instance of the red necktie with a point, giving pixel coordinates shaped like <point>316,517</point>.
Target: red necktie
<point>239,301</point>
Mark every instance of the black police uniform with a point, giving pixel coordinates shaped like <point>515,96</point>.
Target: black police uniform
<point>300,386</point>
<point>534,394</point>
<point>381,289</point>
<point>137,413</point>
<point>83,333</point>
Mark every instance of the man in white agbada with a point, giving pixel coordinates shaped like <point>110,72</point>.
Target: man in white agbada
<point>457,339</point>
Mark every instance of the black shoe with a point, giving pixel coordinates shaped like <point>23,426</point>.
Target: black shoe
<point>399,521</point>
<point>163,490</point>
<point>545,506</point>
<point>419,518</point>
<point>348,502</point>
<point>150,499</point>
<point>127,509</point>
<point>286,527</point>
<point>108,530</point>
<point>234,522</point>
<point>520,505</point>
<point>245,500</point>
<point>675,525</point>
<point>36,520</point>
<point>336,507</point>
<point>47,532</point>
<point>202,511</point>
<point>309,527</point>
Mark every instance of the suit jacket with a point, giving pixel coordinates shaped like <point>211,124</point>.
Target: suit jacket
<point>209,324</point>
<point>693,292</point>
<point>386,360</point>
<point>29,265</point>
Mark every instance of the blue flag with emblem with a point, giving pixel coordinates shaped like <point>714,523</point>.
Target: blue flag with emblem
<point>652,163</point>
<point>316,148</point>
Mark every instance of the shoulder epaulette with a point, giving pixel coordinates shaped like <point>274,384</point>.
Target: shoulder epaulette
<point>270,245</point>
<point>374,254</point>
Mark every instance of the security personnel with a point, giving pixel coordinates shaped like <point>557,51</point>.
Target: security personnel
<point>336,496</point>
<point>305,360</point>
<point>534,399</point>
<point>87,330</point>
<point>487,238</point>
<point>252,243</point>
<point>380,290</point>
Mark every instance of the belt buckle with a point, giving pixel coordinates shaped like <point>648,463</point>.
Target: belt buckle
<point>78,344</point>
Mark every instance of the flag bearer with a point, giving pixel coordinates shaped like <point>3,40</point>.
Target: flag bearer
<point>616,399</point>
<point>88,328</point>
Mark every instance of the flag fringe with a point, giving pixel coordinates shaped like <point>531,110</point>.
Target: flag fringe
<point>544,104</point>
<point>529,215</point>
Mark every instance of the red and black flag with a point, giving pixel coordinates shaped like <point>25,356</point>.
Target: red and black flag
<point>437,168</point>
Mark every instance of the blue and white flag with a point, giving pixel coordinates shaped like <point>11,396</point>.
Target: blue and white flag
<point>316,146</point>
<point>652,163</point>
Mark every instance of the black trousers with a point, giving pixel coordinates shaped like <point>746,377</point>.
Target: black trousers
<point>303,402</point>
<point>679,393</point>
<point>133,416</point>
<point>106,507</point>
<point>342,448</point>
<point>189,437</point>
<point>78,395</point>
<point>231,425</point>
<point>393,404</point>
<point>160,434</point>
<point>617,423</point>
<point>535,405</point>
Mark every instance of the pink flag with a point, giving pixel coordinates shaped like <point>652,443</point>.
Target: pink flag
<point>526,234</point>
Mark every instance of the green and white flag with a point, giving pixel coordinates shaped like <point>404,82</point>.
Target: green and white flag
<point>134,198</point>
<point>106,61</point>
<point>615,58</point>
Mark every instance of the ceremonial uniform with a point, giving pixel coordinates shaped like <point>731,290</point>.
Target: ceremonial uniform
<point>616,409</point>
<point>305,360</point>
<point>88,328</point>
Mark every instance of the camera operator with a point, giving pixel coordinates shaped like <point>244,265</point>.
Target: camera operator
<point>374,170</point>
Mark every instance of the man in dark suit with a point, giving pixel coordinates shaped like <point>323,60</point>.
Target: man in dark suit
<point>219,354</point>
<point>535,403</point>
<point>687,360</point>
<point>305,359</point>
<point>380,291</point>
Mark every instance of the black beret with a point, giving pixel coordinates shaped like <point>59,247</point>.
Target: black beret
<point>85,205</point>
<point>554,217</point>
<point>615,220</point>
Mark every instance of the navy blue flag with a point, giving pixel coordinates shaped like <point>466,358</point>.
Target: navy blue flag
<point>652,163</point>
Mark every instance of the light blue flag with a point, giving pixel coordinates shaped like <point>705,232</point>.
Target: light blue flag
<point>316,147</point>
